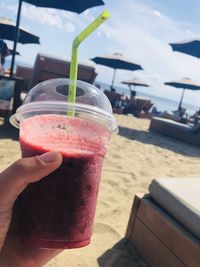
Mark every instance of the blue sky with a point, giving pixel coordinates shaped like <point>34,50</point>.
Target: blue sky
<point>140,29</point>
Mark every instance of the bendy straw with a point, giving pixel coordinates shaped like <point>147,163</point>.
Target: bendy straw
<point>74,58</point>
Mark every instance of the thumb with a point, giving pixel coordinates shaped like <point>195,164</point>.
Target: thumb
<point>24,171</point>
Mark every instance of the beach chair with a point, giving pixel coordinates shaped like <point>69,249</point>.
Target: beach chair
<point>25,73</point>
<point>183,132</point>
<point>195,118</point>
<point>147,106</point>
<point>145,113</point>
<point>47,67</point>
<point>113,97</point>
<point>164,224</point>
<point>137,105</point>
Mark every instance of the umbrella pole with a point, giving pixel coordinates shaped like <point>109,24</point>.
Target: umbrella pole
<point>113,79</point>
<point>180,104</point>
<point>129,89</point>
<point>16,37</point>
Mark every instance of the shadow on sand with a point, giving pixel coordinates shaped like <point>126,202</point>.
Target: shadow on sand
<point>8,131</point>
<point>160,140</point>
<point>122,254</point>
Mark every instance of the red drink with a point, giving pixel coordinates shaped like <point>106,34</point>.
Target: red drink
<point>58,211</point>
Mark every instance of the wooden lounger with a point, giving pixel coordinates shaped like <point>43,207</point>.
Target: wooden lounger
<point>186,133</point>
<point>47,67</point>
<point>159,238</point>
<point>26,73</point>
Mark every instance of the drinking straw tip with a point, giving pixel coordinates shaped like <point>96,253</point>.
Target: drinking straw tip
<point>105,14</point>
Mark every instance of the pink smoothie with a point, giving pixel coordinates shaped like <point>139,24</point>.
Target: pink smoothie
<point>58,211</point>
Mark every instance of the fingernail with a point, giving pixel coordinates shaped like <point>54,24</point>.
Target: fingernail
<point>50,157</point>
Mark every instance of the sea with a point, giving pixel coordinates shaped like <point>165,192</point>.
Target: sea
<point>162,104</point>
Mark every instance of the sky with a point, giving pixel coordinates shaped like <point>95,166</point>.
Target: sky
<point>139,29</point>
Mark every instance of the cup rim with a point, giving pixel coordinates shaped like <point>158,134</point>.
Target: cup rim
<point>36,108</point>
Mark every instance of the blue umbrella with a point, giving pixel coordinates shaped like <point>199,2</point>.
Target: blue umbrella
<point>7,30</point>
<point>191,48</point>
<point>77,6</point>
<point>116,61</point>
<point>184,83</point>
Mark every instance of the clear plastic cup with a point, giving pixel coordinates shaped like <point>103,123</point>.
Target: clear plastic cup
<point>58,211</point>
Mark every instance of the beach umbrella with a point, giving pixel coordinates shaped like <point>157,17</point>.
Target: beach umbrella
<point>135,82</point>
<point>116,61</point>
<point>7,31</point>
<point>76,6</point>
<point>184,84</point>
<point>191,47</point>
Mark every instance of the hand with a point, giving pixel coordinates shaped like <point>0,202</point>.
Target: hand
<point>12,182</point>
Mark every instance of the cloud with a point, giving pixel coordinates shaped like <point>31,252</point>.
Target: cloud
<point>13,7</point>
<point>143,34</point>
<point>48,16</point>
<point>60,19</point>
<point>157,13</point>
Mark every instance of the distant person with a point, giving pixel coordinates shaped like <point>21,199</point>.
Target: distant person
<point>123,101</point>
<point>155,111</point>
<point>181,112</point>
<point>133,93</point>
<point>4,52</point>
<point>196,116</point>
<point>181,115</point>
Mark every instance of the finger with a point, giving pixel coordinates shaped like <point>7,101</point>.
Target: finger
<point>24,171</point>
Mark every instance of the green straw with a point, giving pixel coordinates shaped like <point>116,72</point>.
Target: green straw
<point>74,59</point>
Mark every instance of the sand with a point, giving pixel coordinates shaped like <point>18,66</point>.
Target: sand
<point>135,157</point>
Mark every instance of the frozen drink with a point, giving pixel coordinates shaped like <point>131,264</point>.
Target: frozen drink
<point>58,211</point>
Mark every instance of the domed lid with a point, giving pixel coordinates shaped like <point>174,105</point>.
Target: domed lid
<point>51,97</point>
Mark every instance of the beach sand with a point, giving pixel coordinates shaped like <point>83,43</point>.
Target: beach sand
<point>135,157</point>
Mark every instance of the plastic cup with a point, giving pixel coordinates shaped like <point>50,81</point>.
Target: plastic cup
<point>58,211</point>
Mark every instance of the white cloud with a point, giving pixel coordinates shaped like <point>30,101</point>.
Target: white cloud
<point>55,18</point>
<point>69,27</point>
<point>11,7</point>
<point>43,16</point>
<point>67,14</point>
<point>157,13</point>
<point>60,19</point>
<point>147,45</point>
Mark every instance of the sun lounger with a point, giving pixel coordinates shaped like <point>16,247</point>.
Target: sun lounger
<point>164,225</point>
<point>113,97</point>
<point>26,73</point>
<point>173,117</point>
<point>147,106</point>
<point>137,106</point>
<point>183,132</point>
<point>47,67</point>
